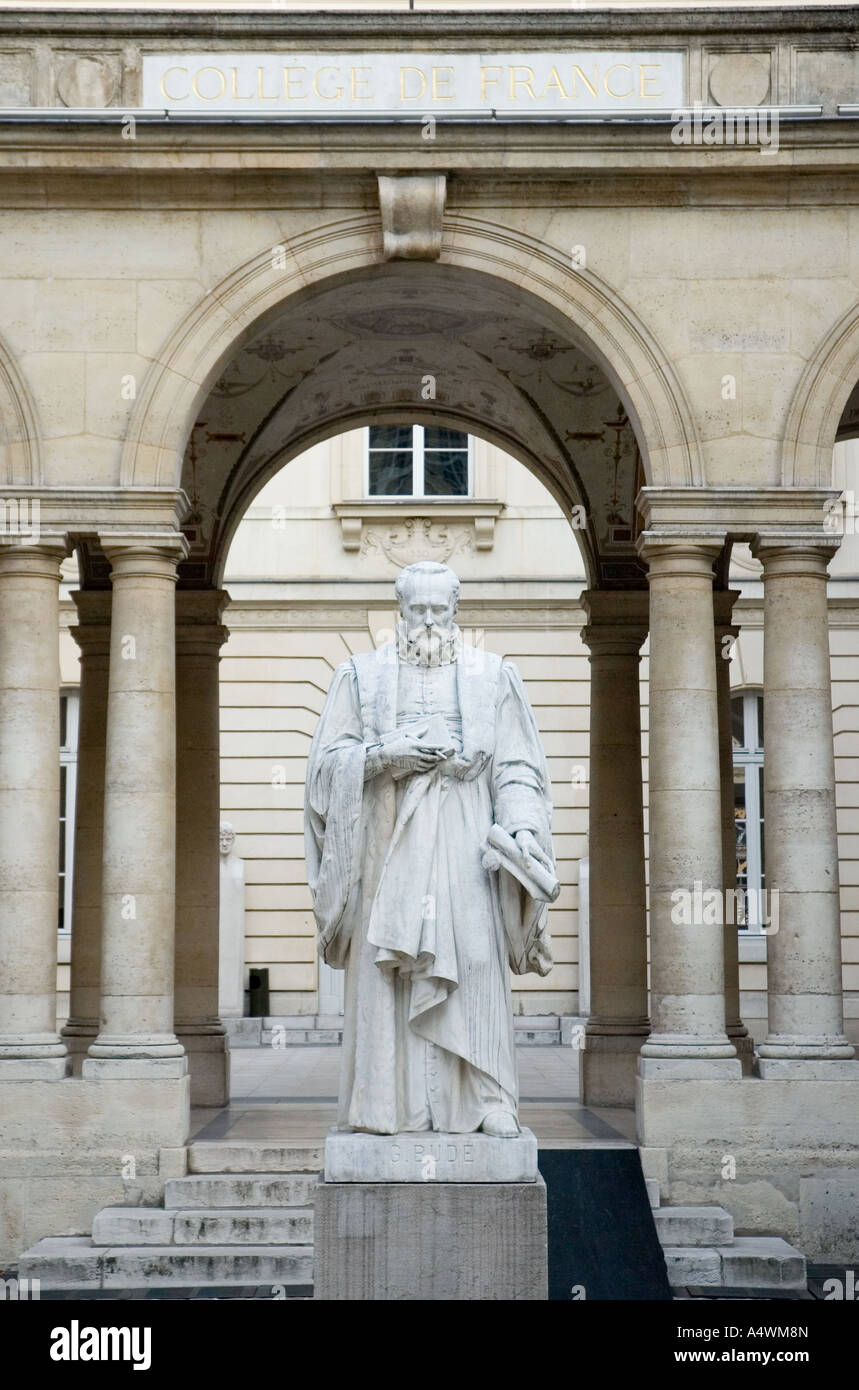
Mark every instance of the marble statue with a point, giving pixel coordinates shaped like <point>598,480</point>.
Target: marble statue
<point>231,967</point>
<point>430,862</point>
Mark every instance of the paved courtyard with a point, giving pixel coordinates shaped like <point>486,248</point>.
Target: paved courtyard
<point>290,1094</point>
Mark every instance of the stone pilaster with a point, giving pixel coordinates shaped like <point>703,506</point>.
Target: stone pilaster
<point>804,952</point>
<point>618,1023</point>
<point>30,1046</point>
<point>92,635</point>
<point>686,844</point>
<point>726,635</point>
<point>199,637</point>
<point>139,866</point>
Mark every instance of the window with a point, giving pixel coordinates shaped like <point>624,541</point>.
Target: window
<point>747,729</point>
<point>418,461</point>
<point>68,787</point>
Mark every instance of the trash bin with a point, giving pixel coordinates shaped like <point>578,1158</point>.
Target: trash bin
<point>258,994</point>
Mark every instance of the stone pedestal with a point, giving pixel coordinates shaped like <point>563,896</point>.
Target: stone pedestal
<point>430,1217</point>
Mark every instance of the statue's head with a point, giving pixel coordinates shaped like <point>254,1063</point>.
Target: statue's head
<point>226,837</point>
<point>428,594</point>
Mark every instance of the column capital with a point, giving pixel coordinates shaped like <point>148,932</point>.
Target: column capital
<point>198,617</point>
<point>784,553</point>
<point>678,556</point>
<point>618,621</point>
<point>92,630</point>
<point>41,560</point>
<point>723,606</point>
<point>145,554</point>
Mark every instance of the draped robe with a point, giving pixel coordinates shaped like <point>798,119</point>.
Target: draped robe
<point>404,904</point>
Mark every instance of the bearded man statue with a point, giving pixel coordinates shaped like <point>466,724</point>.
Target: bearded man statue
<point>425,757</point>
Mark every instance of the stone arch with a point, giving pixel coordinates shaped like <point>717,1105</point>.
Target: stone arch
<point>591,311</point>
<point>20,460</point>
<point>818,403</point>
<point>252,484</point>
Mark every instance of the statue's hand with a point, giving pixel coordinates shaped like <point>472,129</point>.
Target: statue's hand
<point>527,842</point>
<point>407,753</point>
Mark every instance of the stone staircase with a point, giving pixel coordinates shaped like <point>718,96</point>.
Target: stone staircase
<point>243,1216</point>
<point>701,1251</point>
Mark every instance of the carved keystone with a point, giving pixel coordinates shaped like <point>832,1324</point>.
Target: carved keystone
<point>412,207</point>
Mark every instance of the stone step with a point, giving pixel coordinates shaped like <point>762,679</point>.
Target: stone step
<point>73,1262</point>
<point>763,1262</point>
<point>694,1226</point>
<point>131,1226</point>
<point>753,1262</point>
<point>230,1190</point>
<point>238,1156</point>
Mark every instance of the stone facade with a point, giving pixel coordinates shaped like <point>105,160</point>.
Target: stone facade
<point>189,305</point>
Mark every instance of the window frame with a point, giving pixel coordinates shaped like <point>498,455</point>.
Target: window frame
<point>418,471</point>
<point>68,753</point>
<point>751,758</point>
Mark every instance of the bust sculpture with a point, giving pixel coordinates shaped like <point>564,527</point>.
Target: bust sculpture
<point>430,863</point>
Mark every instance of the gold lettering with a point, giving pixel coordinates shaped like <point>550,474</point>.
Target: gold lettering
<point>195,84</point>
<point>356,95</point>
<point>610,90</point>
<point>288,74</point>
<point>261,83</point>
<point>436,79</point>
<point>164,92</point>
<point>553,81</point>
<point>484,79</point>
<point>412,96</point>
<point>335,95</point>
<point>645,78</point>
<point>236,96</point>
<point>592,86</point>
<point>521,81</point>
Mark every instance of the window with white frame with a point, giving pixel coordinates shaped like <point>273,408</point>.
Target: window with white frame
<point>747,730</point>
<point>417,461</point>
<point>69,705</point>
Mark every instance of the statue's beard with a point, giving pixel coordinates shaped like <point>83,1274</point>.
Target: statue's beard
<point>435,646</point>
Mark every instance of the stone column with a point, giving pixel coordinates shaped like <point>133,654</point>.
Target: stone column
<point>726,635</point>
<point>92,635</point>
<point>139,865</point>
<point>199,636</point>
<point>806,1027</point>
<point>30,1046</point>
<point>686,904</point>
<point>618,1023</point>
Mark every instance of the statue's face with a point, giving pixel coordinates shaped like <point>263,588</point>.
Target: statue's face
<point>428,604</point>
<point>226,837</point>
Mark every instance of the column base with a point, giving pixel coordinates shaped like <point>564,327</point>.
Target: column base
<point>807,1069</point>
<point>690,1068</point>
<point>134,1068</point>
<point>437,1241</point>
<point>78,1037</point>
<point>35,1068</point>
<point>744,1044</point>
<point>208,1051</point>
<point>609,1067</point>
<point>693,1046</point>
<point>824,1047</point>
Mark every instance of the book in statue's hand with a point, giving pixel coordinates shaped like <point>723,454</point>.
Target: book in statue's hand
<point>432,731</point>
<point>502,852</point>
